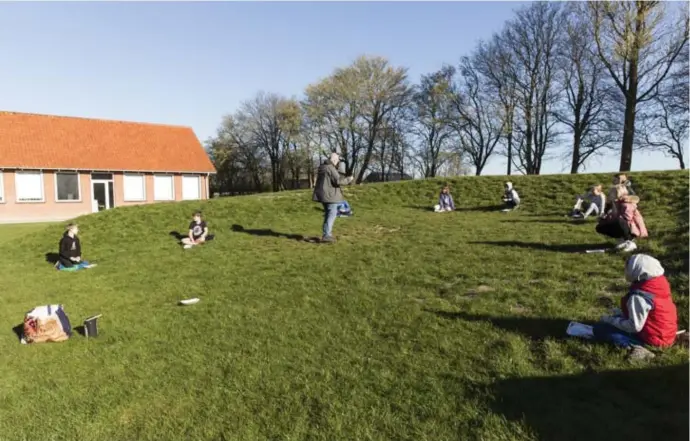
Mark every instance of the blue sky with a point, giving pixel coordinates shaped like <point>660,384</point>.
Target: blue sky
<point>191,63</point>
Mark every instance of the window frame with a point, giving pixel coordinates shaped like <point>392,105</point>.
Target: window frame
<point>55,180</point>
<point>172,180</point>
<point>2,187</point>
<point>143,184</point>
<point>43,190</point>
<point>198,182</point>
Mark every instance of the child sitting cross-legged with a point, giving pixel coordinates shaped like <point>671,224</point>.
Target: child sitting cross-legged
<point>69,257</point>
<point>198,232</point>
<point>445,201</point>
<point>647,314</point>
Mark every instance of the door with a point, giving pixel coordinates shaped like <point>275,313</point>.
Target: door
<point>102,195</point>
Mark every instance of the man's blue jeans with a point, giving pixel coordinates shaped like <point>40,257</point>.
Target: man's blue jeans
<point>330,212</point>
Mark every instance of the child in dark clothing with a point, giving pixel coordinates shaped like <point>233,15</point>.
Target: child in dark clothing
<point>70,251</point>
<point>445,201</point>
<point>510,196</point>
<point>198,232</point>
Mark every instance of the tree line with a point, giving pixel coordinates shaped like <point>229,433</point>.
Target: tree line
<point>566,81</point>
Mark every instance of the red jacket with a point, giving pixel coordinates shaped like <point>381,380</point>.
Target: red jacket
<point>662,322</point>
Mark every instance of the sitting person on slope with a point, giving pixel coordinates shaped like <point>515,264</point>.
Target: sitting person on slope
<point>198,232</point>
<point>647,315</point>
<point>445,201</point>
<point>624,221</point>
<point>70,251</point>
<point>596,200</point>
<point>510,196</point>
<point>620,179</point>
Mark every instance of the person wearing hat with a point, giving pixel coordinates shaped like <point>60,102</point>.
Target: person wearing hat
<point>327,191</point>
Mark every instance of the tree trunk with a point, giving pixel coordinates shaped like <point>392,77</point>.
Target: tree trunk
<point>628,129</point>
<point>510,153</point>
<point>575,165</point>
<point>681,162</point>
<point>631,96</point>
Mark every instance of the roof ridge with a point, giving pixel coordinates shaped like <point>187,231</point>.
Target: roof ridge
<point>10,112</point>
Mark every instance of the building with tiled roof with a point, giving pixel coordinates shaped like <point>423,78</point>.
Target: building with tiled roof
<point>55,167</point>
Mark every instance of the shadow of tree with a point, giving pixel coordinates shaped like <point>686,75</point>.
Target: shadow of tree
<point>532,328</point>
<point>559,248</point>
<point>625,405</point>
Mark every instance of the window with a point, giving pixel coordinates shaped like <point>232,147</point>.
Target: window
<point>190,187</point>
<point>163,188</point>
<point>29,186</point>
<point>135,187</point>
<point>101,176</point>
<point>2,188</point>
<point>67,187</point>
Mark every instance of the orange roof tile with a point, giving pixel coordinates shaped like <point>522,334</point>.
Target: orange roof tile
<point>61,142</point>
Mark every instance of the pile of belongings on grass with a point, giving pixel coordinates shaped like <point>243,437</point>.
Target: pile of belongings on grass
<point>47,323</point>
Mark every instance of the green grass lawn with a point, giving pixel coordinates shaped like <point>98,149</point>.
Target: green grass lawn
<point>11,232</point>
<point>414,326</point>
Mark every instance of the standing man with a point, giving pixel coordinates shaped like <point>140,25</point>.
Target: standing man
<point>327,191</point>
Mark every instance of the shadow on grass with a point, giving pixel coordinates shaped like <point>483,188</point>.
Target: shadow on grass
<point>485,209</point>
<point>565,221</point>
<point>622,405</point>
<point>565,248</point>
<point>52,258</point>
<point>177,235</point>
<point>460,209</point>
<point>80,330</point>
<point>533,328</point>
<point>266,232</point>
<point>421,207</point>
<point>19,331</point>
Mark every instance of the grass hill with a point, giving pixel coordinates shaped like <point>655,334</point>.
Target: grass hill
<point>414,326</point>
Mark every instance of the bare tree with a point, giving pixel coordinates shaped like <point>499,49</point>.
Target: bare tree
<point>238,159</point>
<point>433,110</point>
<point>588,108</point>
<point>494,61</point>
<point>666,117</point>
<point>533,37</point>
<point>272,120</point>
<point>638,49</point>
<point>353,105</point>
<point>479,124</point>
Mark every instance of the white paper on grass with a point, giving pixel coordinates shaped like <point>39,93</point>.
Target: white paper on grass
<point>581,330</point>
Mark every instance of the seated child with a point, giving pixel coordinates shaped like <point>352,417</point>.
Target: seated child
<point>624,221</point>
<point>647,315</point>
<point>69,256</point>
<point>620,179</point>
<point>344,209</point>
<point>597,203</point>
<point>445,201</point>
<point>510,196</point>
<point>198,232</point>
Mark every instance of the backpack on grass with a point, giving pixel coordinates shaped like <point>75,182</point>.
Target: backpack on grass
<point>47,323</point>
